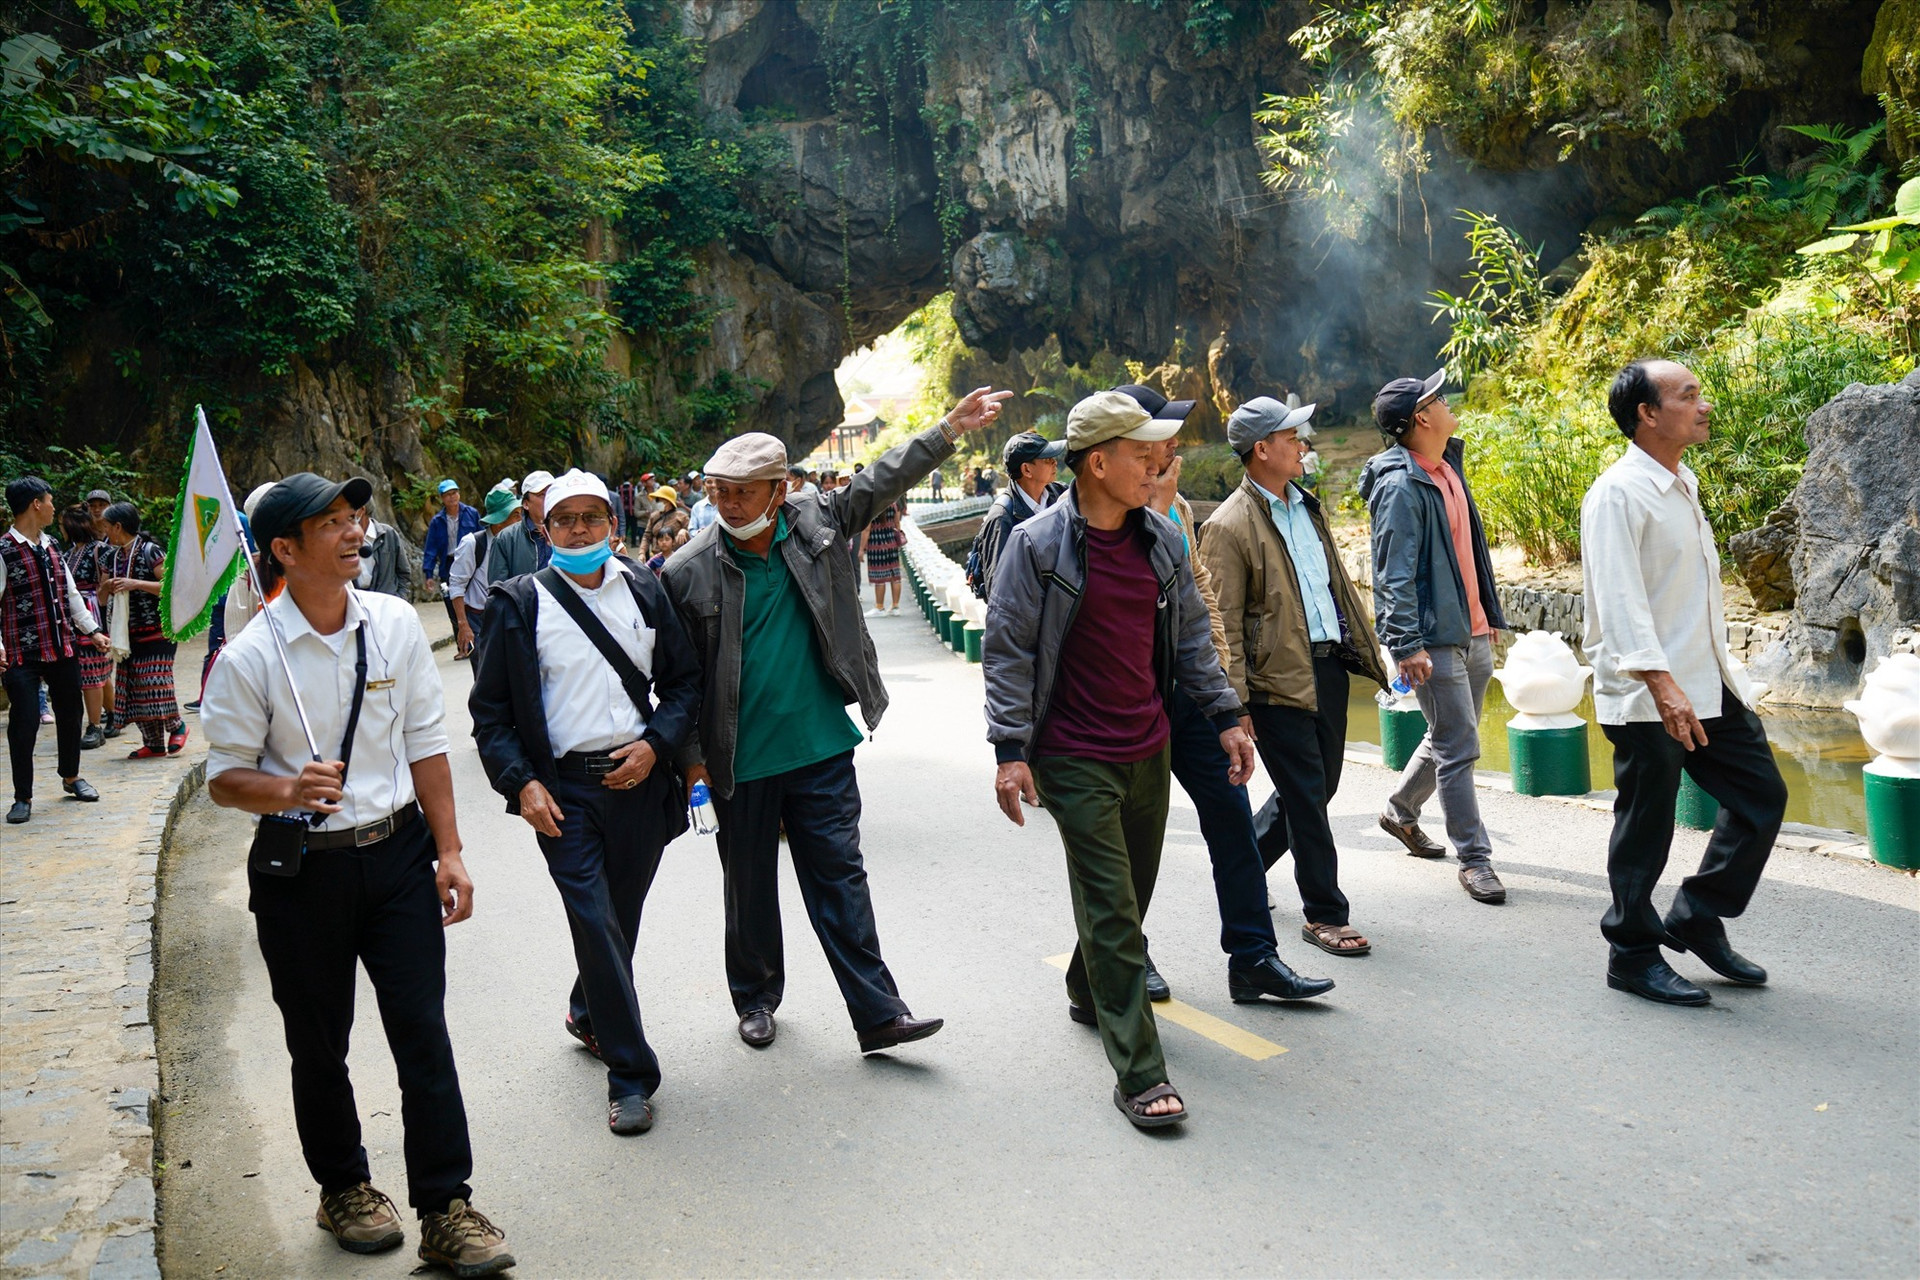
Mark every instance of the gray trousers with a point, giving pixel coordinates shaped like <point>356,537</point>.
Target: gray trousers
<point>1444,760</point>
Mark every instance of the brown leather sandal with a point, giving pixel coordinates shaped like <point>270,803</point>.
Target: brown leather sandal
<point>1328,937</point>
<point>1134,1106</point>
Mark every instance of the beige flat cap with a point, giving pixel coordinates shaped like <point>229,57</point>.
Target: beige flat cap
<point>753,456</point>
<point>1113,415</point>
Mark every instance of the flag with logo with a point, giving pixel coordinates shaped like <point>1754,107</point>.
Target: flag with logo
<point>205,552</point>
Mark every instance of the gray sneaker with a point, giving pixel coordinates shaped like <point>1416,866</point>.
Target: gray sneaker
<point>361,1219</point>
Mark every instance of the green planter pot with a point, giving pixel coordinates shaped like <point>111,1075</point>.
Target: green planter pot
<point>1893,818</point>
<point>1400,733</point>
<point>941,617</point>
<point>974,636</point>
<point>1694,807</point>
<point>957,633</point>
<point>1550,762</point>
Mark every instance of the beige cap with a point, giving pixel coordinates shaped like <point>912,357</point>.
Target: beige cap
<point>753,456</point>
<point>1113,415</point>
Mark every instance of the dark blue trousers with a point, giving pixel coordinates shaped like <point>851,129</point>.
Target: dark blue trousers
<point>603,863</point>
<point>1226,822</point>
<point>820,805</point>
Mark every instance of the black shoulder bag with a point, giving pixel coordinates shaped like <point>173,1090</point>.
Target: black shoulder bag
<point>280,842</point>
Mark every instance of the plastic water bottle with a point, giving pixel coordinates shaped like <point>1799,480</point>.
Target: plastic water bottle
<point>1392,696</point>
<point>1401,685</point>
<point>700,810</point>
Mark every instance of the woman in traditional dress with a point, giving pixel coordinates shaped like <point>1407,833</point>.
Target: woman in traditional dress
<point>883,559</point>
<point>83,557</point>
<point>144,690</point>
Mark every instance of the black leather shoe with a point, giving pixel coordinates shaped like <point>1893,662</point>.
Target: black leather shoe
<point>631,1114</point>
<point>1419,843</point>
<point>1482,885</point>
<point>1718,955</point>
<point>1157,988</point>
<point>756,1027</point>
<point>93,737</point>
<point>1657,982</point>
<point>1272,977</point>
<point>902,1029</point>
<point>21,811</point>
<point>584,1036</point>
<point>80,789</point>
<point>1081,1014</point>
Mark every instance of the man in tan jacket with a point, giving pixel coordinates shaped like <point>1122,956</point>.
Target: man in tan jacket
<point>1295,626</point>
<point>1200,765</point>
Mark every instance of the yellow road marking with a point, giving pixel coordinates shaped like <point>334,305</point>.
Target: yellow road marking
<point>1202,1023</point>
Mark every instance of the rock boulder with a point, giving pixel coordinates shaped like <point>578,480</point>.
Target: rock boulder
<point>1764,557</point>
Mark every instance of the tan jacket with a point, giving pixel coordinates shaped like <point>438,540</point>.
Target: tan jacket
<point>1204,580</point>
<point>1257,601</point>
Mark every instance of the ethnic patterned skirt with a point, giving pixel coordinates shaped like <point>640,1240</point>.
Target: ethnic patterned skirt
<point>144,688</point>
<point>883,552</point>
<point>96,668</point>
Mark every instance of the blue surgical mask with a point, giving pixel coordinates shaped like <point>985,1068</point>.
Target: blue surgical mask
<point>582,559</point>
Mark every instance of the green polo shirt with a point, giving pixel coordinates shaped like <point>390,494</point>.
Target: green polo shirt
<point>792,712</point>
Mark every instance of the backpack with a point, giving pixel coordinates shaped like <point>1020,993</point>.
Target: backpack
<point>975,563</point>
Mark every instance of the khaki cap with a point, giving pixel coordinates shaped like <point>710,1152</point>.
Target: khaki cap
<point>753,456</point>
<point>1112,415</point>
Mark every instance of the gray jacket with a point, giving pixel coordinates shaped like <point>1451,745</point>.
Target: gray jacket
<point>709,592</point>
<point>387,554</point>
<point>1419,597</point>
<point>1036,595</point>
<point>515,552</point>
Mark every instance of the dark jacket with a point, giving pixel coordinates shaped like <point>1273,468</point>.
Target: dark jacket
<point>388,556</point>
<point>708,589</point>
<point>1008,510</point>
<point>519,550</point>
<point>509,715</point>
<point>1419,597</point>
<point>1036,596</point>
<point>436,556</point>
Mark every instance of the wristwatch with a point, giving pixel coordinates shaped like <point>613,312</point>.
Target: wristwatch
<point>947,429</point>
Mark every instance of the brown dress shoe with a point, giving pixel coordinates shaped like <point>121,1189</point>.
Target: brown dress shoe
<point>464,1242</point>
<point>1418,842</point>
<point>361,1219</point>
<point>902,1029</point>
<point>1478,880</point>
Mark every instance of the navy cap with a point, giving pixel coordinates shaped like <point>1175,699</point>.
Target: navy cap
<point>1030,446</point>
<point>299,496</point>
<point>1395,405</point>
<point>1161,408</point>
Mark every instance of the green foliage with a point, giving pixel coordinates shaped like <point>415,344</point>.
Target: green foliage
<point>1531,461</point>
<point>1842,183</point>
<point>1505,297</point>
<point>1881,262</point>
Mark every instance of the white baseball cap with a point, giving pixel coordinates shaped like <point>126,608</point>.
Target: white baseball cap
<point>575,483</point>
<point>536,482</point>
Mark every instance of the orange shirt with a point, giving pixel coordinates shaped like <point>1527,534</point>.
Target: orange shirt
<point>1462,528</point>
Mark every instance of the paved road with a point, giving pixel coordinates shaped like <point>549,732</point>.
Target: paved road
<point>1472,1099</point>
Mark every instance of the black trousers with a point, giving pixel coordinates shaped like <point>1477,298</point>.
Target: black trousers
<point>376,906</point>
<point>453,619</point>
<point>603,863</point>
<point>22,682</point>
<point>1226,823</point>
<point>1303,752</point>
<point>820,805</point>
<point>1736,768</point>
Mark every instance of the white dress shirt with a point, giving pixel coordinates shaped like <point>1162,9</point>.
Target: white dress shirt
<point>1653,599</point>
<point>83,620</point>
<point>247,712</point>
<point>587,707</point>
<point>467,580</point>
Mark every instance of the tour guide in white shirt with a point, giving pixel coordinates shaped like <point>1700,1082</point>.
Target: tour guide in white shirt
<point>367,889</point>
<point>1667,696</point>
<point>579,757</point>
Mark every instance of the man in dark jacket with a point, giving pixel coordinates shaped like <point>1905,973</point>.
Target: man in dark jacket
<point>1032,462</point>
<point>454,521</point>
<point>768,595</point>
<point>1094,625</point>
<point>585,756</point>
<point>1436,611</point>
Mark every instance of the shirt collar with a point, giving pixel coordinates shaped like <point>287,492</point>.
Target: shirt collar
<point>1272,497</point>
<point>294,624</point>
<point>23,538</point>
<point>1662,478</point>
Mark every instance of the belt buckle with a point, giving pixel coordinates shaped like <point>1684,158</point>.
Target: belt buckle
<point>373,832</point>
<point>600,766</point>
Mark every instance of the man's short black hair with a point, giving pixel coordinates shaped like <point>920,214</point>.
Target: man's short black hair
<point>1074,458</point>
<point>1632,387</point>
<point>1246,457</point>
<point>797,470</point>
<point>124,514</point>
<point>24,492</point>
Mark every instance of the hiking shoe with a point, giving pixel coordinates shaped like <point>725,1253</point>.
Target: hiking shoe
<point>361,1219</point>
<point>464,1242</point>
<point>92,738</point>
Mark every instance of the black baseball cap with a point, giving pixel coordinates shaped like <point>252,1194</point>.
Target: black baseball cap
<point>1030,446</point>
<point>1161,408</point>
<point>298,496</point>
<point>1396,403</point>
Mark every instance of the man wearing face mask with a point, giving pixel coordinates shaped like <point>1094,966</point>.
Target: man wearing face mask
<point>768,595</point>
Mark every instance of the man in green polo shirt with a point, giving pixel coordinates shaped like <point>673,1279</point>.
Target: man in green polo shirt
<point>767,591</point>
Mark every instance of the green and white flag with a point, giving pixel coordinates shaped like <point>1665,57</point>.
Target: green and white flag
<point>205,552</point>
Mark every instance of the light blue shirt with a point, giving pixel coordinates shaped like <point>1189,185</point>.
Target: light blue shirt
<point>1297,530</point>
<point>702,515</point>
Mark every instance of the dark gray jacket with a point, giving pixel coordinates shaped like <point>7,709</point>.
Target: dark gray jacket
<point>518,551</point>
<point>709,592</point>
<point>1419,597</point>
<point>1036,596</point>
<point>388,555</point>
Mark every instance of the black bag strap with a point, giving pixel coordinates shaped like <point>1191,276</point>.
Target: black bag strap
<point>638,687</point>
<point>353,713</point>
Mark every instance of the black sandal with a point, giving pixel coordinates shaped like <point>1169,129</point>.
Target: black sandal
<point>1134,1106</point>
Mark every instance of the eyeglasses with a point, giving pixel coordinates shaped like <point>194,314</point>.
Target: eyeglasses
<point>591,521</point>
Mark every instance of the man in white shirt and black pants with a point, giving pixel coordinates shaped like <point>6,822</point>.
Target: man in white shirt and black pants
<point>585,683</point>
<point>361,884</point>
<point>1667,696</point>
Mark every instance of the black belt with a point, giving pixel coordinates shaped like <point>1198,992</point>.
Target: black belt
<point>587,764</point>
<point>374,832</point>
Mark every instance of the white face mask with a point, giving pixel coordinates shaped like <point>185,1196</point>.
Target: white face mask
<point>754,527</point>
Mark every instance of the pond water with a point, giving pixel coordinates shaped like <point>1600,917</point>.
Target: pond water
<point>1820,753</point>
